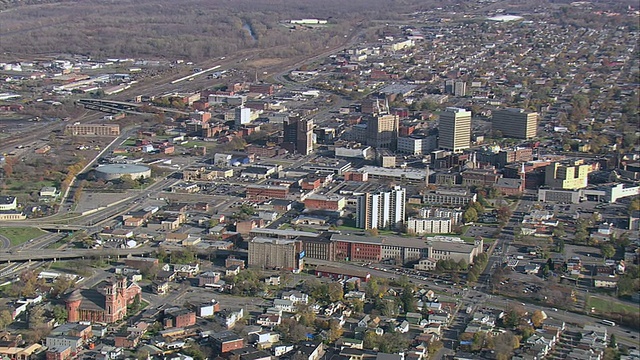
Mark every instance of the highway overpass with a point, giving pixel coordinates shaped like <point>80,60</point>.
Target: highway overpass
<point>69,254</point>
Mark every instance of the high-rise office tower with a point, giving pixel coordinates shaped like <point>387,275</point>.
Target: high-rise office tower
<point>243,116</point>
<point>382,209</point>
<point>454,129</point>
<point>298,135</point>
<point>515,123</point>
<point>382,131</point>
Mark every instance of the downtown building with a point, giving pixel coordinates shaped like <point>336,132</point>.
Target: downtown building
<point>454,129</point>
<point>382,209</point>
<point>515,123</point>
<point>382,131</point>
<point>298,135</point>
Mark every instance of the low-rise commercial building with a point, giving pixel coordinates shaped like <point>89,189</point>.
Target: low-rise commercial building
<point>94,129</point>
<point>449,197</point>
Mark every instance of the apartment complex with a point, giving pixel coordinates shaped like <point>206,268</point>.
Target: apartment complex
<point>431,225</point>
<point>515,123</point>
<point>569,175</point>
<point>455,129</point>
<point>382,209</point>
<point>93,129</point>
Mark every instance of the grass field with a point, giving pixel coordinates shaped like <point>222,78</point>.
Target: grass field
<point>607,306</point>
<point>20,235</point>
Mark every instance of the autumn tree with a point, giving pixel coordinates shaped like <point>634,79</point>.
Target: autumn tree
<point>61,284</point>
<point>335,292</point>
<point>5,318</point>
<point>505,344</point>
<point>537,318</point>
<point>36,317</point>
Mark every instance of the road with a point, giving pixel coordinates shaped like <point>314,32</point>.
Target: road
<point>5,243</point>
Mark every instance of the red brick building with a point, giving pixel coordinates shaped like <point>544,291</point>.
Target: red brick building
<point>129,341</point>
<point>354,250</point>
<point>208,278</point>
<point>232,261</point>
<point>311,183</point>
<point>265,151</point>
<point>227,341</point>
<point>59,353</point>
<point>245,227</point>
<point>356,176</point>
<point>265,192</point>
<point>266,89</point>
<point>180,318</point>
<point>324,202</point>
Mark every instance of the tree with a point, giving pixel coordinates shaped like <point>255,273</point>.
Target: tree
<point>60,314</point>
<point>371,340</point>
<point>462,265</point>
<point>407,299</point>
<point>142,354</point>
<point>335,330</point>
<point>504,214</point>
<point>195,352</point>
<point>358,306</point>
<point>537,318</point>
<point>335,292</point>
<point>505,344</point>
<point>5,319</point>
<point>61,284</point>
<point>607,251</point>
<point>512,318</point>
<point>36,317</point>
<point>372,232</point>
<point>612,341</point>
<point>470,215</point>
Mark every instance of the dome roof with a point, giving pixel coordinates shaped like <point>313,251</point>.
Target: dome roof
<point>75,296</point>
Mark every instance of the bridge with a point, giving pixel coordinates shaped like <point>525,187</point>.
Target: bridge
<point>115,107</point>
<point>69,254</point>
<point>60,227</point>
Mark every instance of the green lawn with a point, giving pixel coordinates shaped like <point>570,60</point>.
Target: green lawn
<point>607,306</point>
<point>20,235</point>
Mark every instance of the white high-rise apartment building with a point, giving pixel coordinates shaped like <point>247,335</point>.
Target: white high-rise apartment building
<point>383,209</point>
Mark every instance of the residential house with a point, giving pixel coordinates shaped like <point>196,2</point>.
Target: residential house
<point>228,318</point>
<point>296,296</point>
<point>284,305</point>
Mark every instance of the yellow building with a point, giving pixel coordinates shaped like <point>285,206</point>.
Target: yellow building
<point>567,175</point>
